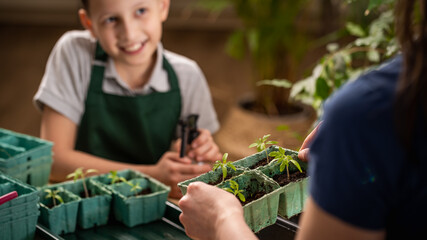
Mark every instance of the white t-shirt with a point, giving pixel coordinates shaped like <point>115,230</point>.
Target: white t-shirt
<point>66,81</point>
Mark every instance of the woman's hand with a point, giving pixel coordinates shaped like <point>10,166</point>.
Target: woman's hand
<point>303,153</point>
<point>209,212</point>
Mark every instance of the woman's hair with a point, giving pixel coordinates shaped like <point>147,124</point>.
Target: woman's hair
<point>411,97</point>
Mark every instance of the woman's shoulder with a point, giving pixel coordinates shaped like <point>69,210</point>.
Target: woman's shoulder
<point>371,92</point>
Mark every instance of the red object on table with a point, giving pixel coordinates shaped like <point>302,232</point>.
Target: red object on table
<point>8,197</point>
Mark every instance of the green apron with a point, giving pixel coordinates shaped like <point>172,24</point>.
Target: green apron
<point>136,129</point>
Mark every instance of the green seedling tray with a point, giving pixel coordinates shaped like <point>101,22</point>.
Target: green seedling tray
<point>261,212</point>
<point>27,196</point>
<point>19,229</point>
<point>93,211</point>
<point>62,218</point>
<point>128,174</point>
<point>18,216</point>
<point>294,194</point>
<point>25,157</point>
<point>211,176</point>
<point>249,161</point>
<point>133,210</point>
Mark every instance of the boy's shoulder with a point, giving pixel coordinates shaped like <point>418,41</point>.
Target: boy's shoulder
<point>76,41</point>
<point>181,62</point>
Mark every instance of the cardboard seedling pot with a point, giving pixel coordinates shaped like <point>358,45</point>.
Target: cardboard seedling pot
<point>18,217</point>
<point>93,211</point>
<point>25,157</point>
<point>209,177</point>
<point>62,218</point>
<point>253,159</point>
<point>261,212</point>
<point>128,174</point>
<point>294,194</point>
<point>131,209</point>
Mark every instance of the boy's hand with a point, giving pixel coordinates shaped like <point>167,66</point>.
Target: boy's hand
<point>171,169</point>
<point>203,148</point>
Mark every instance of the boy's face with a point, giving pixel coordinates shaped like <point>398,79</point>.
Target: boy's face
<point>128,30</point>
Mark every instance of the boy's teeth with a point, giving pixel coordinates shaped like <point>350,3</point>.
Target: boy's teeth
<point>133,47</point>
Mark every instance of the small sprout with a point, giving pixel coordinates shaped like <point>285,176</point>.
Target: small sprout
<point>54,194</point>
<point>261,144</point>
<point>135,187</point>
<point>115,178</point>
<point>284,160</point>
<point>223,165</point>
<point>234,189</point>
<point>80,174</point>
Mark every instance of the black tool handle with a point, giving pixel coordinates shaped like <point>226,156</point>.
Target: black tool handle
<point>183,125</point>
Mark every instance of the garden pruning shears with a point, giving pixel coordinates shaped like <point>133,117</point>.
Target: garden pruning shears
<point>189,132</point>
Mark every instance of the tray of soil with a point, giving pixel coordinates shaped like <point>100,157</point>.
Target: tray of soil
<point>261,198</point>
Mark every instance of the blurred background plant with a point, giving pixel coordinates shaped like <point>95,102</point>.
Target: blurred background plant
<point>278,34</point>
<point>372,46</point>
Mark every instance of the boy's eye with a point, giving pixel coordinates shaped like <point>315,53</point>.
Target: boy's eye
<point>110,20</point>
<point>140,11</point>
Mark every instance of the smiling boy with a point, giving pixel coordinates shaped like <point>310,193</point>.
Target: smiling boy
<point>111,96</point>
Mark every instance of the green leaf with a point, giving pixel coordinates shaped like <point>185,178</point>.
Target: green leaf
<point>231,166</point>
<point>224,173</point>
<point>282,127</point>
<point>253,145</point>
<point>241,197</point>
<point>355,30</point>
<point>296,164</point>
<point>276,83</point>
<point>235,46</point>
<point>322,88</point>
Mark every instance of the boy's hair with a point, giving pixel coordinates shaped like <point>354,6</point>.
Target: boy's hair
<point>85,4</point>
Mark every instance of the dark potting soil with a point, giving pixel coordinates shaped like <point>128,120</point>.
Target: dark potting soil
<point>220,180</point>
<point>253,197</point>
<point>145,192</point>
<point>263,162</point>
<point>282,179</point>
<point>83,195</point>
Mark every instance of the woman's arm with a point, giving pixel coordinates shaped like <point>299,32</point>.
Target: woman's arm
<point>315,223</point>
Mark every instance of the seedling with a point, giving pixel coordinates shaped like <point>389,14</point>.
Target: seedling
<point>261,145</point>
<point>54,194</point>
<point>135,187</point>
<point>223,165</point>
<point>234,189</point>
<point>284,160</point>
<point>115,178</point>
<point>80,174</point>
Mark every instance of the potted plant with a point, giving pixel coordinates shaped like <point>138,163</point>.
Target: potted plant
<point>94,207</point>
<point>58,209</point>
